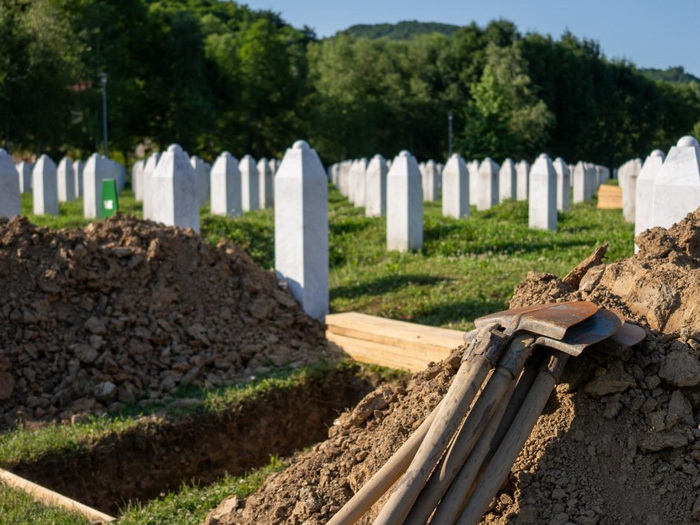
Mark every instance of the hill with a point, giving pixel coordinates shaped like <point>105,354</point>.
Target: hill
<point>405,30</point>
<point>673,75</point>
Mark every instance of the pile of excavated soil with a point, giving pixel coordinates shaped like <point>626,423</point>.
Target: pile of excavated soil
<point>619,441</point>
<point>125,310</point>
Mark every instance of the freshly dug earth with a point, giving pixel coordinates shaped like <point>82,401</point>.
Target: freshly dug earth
<point>127,309</point>
<point>619,442</point>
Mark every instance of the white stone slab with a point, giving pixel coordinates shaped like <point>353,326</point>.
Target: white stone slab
<point>24,171</point>
<point>266,183</point>
<point>563,184</point>
<point>629,192</point>
<point>473,169</point>
<point>137,179</point>
<point>301,228</point>
<point>375,189</point>
<point>78,167</point>
<point>66,180</point>
<point>45,187</point>
<point>507,181</point>
<point>431,182</point>
<point>96,170</point>
<point>149,189</point>
<point>359,182</point>
<point>455,191</point>
<point>10,203</point>
<point>404,204</point>
<point>487,185</point>
<point>643,216</point>
<point>226,195</point>
<point>250,183</point>
<point>523,174</point>
<point>202,179</point>
<point>176,203</point>
<point>542,205</point>
<point>676,189</point>
<point>579,176</point>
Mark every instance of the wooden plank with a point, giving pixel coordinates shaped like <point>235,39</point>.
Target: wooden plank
<point>394,333</point>
<point>402,358</point>
<point>609,197</point>
<point>48,497</point>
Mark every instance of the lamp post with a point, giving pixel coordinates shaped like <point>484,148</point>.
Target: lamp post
<point>449,133</point>
<point>105,148</point>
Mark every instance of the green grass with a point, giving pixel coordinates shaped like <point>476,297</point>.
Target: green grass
<point>17,508</point>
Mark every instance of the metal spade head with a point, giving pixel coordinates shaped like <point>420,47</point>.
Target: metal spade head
<point>552,320</point>
<point>626,337</point>
<point>600,326</point>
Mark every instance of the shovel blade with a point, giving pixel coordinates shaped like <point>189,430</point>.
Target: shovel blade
<point>626,337</point>
<point>551,320</point>
<point>601,326</point>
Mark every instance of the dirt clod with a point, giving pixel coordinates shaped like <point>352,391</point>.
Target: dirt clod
<point>619,441</point>
<point>126,309</point>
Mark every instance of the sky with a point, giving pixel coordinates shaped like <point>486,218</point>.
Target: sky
<point>650,33</point>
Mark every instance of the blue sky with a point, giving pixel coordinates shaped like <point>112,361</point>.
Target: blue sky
<point>648,33</point>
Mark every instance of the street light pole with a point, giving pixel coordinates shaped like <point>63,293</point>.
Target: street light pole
<point>449,133</point>
<point>105,148</point>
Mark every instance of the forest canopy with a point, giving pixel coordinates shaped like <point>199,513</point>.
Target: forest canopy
<point>215,75</point>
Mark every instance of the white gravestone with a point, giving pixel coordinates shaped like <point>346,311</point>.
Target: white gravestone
<point>589,180</point>
<point>177,201</point>
<point>96,170</point>
<point>455,189</point>
<point>645,188</point>
<point>137,179</point>
<point>149,190</point>
<point>66,180</point>
<point>10,203</point>
<point>78,167</point>
<point>359,187</point>
<point>473,169</point>
<point>301,228</point>
<point>24,170</point>
<point>579,176</point>
<point>266,183</point>
<point>487,185</point>
<point>629,192</point>
<point>563,184</point>
<point>226,186</point>
<point>375,189</point>
<point>523,174</point>
<point>542,205</point>
<point>404,204</point>
<point>202,178</point>
<point>677,184</point>
<point>250,183</point>
<point>45,187</point>
<point>431,183</point>
<point>507,181</point>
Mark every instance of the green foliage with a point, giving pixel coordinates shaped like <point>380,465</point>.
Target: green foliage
<point>672,75</point>
<point>405,30</point>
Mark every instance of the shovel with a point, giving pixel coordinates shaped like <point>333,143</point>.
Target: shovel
<point>605,324</point>
<point>550,320</point>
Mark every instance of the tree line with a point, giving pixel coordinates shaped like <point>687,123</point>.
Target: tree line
<point>215,75</point>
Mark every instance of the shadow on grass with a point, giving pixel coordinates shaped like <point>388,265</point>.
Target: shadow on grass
<point>458,312</point>
<point>385,285</point>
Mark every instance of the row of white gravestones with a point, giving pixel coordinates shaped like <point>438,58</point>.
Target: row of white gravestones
<point>586,179</point>
<point>431,180</point>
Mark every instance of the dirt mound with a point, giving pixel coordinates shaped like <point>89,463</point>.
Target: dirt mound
<point>123,309</point>
<point>618,443</point>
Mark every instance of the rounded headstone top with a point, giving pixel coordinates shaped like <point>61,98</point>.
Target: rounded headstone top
<point>404,153</point>
<point>225,154</point>
<point>657,153</point>
<point>174,148</point>
<point>558,159</point>
<point>544,156</point>
<point>301,144</point>
<point>455,156</point>
<point>687,141</point>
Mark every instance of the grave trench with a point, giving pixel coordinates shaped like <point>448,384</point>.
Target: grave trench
<point>160,455</point>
